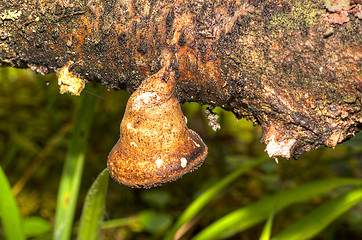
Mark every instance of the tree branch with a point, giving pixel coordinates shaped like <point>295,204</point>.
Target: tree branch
<point>294,67</point>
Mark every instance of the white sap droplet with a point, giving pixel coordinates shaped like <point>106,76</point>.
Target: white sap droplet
<point>183,162</point>
<point>159,162</point>
<point>134,144</point>
<point>196,144</point>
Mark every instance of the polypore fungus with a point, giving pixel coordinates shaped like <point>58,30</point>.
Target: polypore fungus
<point>155,145</point>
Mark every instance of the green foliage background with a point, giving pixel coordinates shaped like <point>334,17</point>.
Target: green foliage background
<point>37,126</point>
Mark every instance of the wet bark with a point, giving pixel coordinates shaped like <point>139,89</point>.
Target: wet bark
<point>294,67</point>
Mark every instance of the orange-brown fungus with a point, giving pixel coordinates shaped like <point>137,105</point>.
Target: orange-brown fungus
<point>155,145</point>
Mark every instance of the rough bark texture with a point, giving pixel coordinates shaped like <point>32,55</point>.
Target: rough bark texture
<point>294,67</point>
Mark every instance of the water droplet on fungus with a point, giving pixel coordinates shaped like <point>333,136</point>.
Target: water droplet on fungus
<point>154,122</point>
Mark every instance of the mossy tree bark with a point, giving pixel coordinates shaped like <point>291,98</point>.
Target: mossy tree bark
<point>294,67</point>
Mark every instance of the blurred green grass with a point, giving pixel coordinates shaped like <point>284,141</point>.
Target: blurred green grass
<point>36,125</point>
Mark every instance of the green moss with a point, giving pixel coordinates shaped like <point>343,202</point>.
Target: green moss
<point>351,33</point>
<point>350,98</point>
<point>302,13</point>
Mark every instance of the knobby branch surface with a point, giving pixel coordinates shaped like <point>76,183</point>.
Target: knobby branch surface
<point>294,67</point>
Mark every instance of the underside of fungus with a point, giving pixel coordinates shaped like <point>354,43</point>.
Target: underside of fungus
<point>155,145</point>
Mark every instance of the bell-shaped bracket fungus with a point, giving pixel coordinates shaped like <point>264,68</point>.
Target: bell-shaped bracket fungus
<point>155,145</point>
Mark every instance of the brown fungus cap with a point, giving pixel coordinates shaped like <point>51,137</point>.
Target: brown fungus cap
<point>155,145</point>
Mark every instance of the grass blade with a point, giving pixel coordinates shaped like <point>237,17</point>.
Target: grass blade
<point>121,222</point>
<point>72,170</point>
<point>36,226</point>
<point>312,224</point>
<point>93,208</point>
<point>196,206</point>
<point>265,235</point>
<point>253,214</point>
<point>9,211</point>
